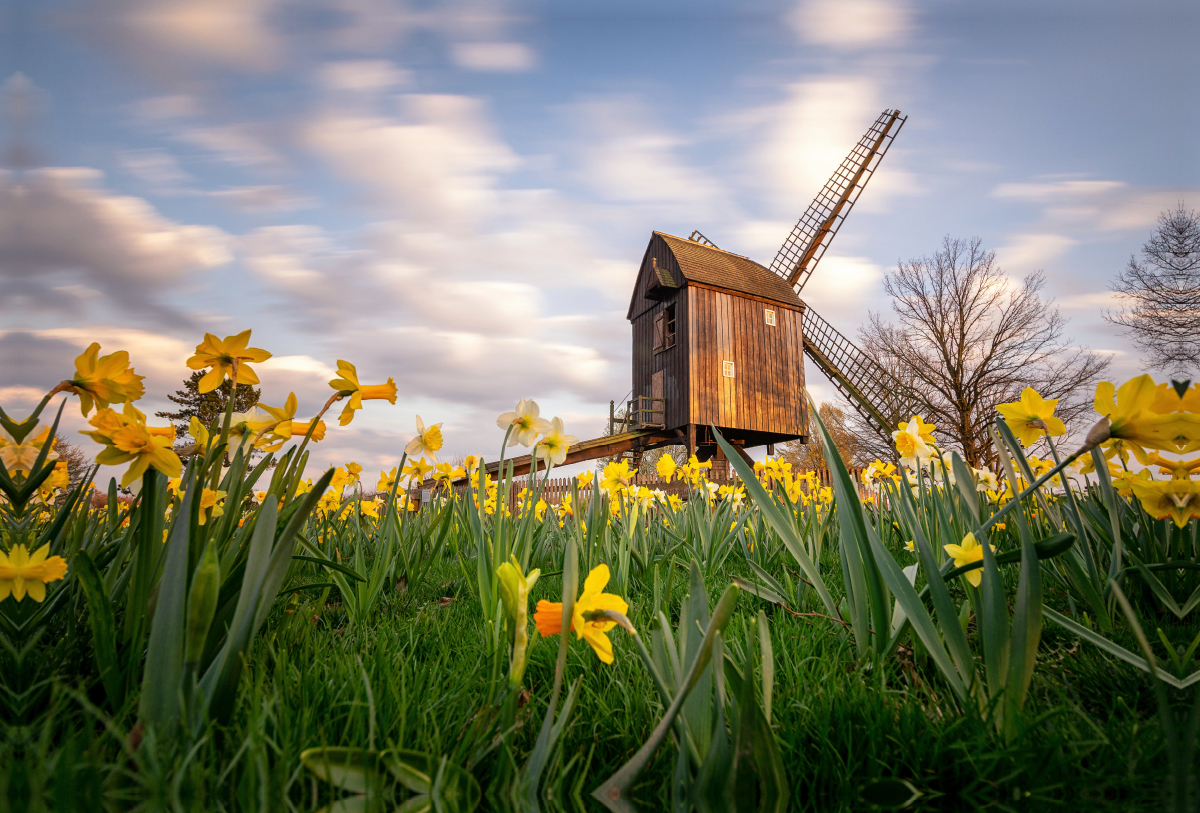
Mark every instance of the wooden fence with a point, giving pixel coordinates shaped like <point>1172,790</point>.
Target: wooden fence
<point>555,488</point>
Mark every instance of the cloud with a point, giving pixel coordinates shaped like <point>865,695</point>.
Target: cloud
<point>493,56</point>
<point>236,144</point>
<point>362,76</point>
<point>1093,206</point>
<point>170,37</point>
<point>60,230</point>
<point>807,135</point>
<point>1031,252</point>
<point>626,157</point>
<point>156,168</point>
<point>1056,190</point>
<point>852,24</point>
<point>437,162</point>
<point>263,198</point>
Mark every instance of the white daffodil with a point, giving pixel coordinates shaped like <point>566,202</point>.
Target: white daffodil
<point>246,427</point>
<point>914,451</point>
<point>986,480</point>
<point>524,423</point>
<point>427,441</point>
<point>555,441</point>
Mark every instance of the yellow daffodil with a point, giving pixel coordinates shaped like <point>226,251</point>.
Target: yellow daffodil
<point>347,385</point>
<point>387,479</point>
<point>1178,500</point>
<point>523,421</point>
<point>912,548</point>
<point>22,574</point>
<point>221,355</point>
<point>212,505</point>
<point>471,464</point>
<point>912,447</point>
<point>417,469</point>
<point>584,478</point>
<point>104,379</point>
<point>548,617</point>
<point>675,502</point>
<point>666,467</point>
<point>21,456</point>
<point>427,441</point>
<point>444,474</point>
<point>1131,419</point>
<point>616,476</point>
<point>515,587</point>
<point>966,553</point>
<point>245,428</point>
<point>1032,417</point>
<point>60,478</point>
<point>564,508</point>
<point>918,427</point>
<point>369,508</point>
<point>555,442</point>
<point>127,440</point>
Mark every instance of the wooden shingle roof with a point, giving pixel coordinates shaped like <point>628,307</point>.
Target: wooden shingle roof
<point>720,269</point>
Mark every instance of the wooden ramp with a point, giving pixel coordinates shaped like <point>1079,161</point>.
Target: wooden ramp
<point>610,446</point>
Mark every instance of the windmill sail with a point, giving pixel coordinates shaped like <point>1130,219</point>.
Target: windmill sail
<point>876,394</point>
<point>802,250</point>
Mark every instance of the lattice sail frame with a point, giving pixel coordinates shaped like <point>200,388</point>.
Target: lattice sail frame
<point>873,392</point>
<point>804,247</point>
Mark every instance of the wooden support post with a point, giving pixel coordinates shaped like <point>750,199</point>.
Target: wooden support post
<point>691,439</point>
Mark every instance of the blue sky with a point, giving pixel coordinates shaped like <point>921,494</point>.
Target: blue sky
<point>457,195</point>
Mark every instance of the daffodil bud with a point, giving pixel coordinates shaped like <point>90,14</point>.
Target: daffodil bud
<point>1099,433</point>
<point>202,603</point>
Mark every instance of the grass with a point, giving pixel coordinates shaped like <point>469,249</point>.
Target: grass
<point>419,676</point>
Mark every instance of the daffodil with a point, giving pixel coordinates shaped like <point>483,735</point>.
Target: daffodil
<point>1176,499</point>
<point>666,467</point>
<point>212,504</point>
<point>369,508</point>
<point>222,355</point>
<point>918,427</point>
<point>912,447</point>
<point>1131,419</point>
<point>427,441</point>
<point>584,478</point>
<point>247,427</point>
<point>104,380</point>
<point>986,480</point>
<point>966,553</point>
<point>127,440</point>
<point>548,617</point>
<point>515,587</point>
<point>387,480</point>
<point>616,476</point>
<point>1032,417</point>
<point>22,574</point>
<point>523,422</point>
<point>20,456</point>
<point>347,385</point>
<point>555,442</point>
<point>417,469</point>
<point>445,474</point>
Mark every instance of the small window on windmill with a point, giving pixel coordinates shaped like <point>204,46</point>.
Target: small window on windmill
<point>770,315</point>
<point>664,329</point>
<point>727,369</point>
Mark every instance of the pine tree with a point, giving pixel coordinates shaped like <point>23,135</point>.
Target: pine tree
<point>209,406</point>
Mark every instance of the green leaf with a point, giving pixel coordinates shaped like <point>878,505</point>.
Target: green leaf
<point>162,677</point>
<point>614,793</point>
<point>104,627</point>
<point>355,770</point>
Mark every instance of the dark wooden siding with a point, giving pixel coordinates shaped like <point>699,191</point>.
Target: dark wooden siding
<point>766,393</point>
<point>672,362</point>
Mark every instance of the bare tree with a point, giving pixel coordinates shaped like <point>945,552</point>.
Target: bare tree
<point>1161,295</point>
<point>852,446</point>
<point>968,337</point>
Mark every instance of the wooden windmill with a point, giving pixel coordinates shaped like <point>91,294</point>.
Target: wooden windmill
<point>720,340</point>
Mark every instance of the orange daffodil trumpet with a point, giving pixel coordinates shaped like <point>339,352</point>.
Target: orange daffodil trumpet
<point>548,617</point>
<point>287,427</point>
<point>226,358</point>
<point>347,385</point>
<point>1032,417</point>
<point>22,574</point>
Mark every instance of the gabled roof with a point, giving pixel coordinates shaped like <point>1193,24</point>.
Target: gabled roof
<point>721,269</point>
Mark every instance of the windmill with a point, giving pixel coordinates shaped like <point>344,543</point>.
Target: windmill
<point>719,340</point>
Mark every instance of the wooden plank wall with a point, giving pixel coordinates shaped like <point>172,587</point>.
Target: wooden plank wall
<point>672,362</point>
<point>766,392</point>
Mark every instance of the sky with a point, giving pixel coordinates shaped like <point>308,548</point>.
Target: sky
<point>458,195</point>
